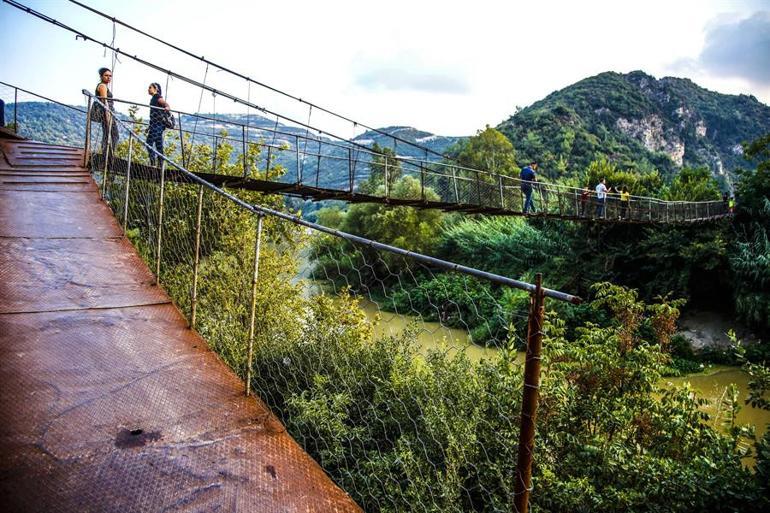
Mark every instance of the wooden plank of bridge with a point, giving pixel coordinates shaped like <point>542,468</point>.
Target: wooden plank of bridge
<point>108,402</point>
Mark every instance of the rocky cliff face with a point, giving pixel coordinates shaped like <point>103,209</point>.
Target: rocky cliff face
<point>651,132</point>
<point>638,121</point>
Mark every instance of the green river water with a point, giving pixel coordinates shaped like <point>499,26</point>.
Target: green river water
<point>710,384</point>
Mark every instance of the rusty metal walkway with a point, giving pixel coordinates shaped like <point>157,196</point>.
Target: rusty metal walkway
<point>108,402</point>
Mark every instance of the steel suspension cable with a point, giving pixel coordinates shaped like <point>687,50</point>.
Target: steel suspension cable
<point>261,84</point>
<point>173,74</point>
<point>198,84</point>
<point>437,262</point>
<point>188,80</point>
<point>200,102</point>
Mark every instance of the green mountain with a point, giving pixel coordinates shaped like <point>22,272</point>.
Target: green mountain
<point>48,122</point>
<point>637,121</point>
<point>433,142</point>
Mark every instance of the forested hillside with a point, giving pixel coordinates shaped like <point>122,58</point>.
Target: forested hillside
<point>49,122</point>
<point>638,122</point>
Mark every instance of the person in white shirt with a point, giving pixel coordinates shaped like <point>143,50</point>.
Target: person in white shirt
<point>601,198</point>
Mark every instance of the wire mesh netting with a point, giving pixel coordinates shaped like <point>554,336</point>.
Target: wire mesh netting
<point>301,162</point>
<point>399,378</point>
<point>40,118</point>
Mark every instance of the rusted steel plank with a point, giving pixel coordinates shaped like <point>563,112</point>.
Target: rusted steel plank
<point>109,402</point>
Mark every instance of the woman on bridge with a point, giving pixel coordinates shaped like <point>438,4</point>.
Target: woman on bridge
<point>625,202</point>
<point>103,113</point>
<point>159,109</point>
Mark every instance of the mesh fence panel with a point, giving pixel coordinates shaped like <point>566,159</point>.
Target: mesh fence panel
<point>374,361</point>
<point>328,167</point>
<point>41,119</point>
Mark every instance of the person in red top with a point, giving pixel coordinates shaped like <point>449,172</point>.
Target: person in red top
<point>585,195</point>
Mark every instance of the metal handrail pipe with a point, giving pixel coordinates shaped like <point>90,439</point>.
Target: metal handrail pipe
<point>443,264</point>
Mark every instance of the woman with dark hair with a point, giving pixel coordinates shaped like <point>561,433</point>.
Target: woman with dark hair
<point>155,131</point>
<point>103,112</point>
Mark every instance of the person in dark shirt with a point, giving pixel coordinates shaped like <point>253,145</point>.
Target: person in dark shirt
<point>528,179</point>
<point>155,130</point>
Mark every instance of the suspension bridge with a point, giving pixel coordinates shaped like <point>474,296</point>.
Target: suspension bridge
<point>136,303</point>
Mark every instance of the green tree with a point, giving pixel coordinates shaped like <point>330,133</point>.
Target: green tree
<point>750,258</point>
<point>406,227</point>
<point>693,184</point>
<point>489,150</point>
<point>638,183</point>
<point>611,439</point>
<point>383,163</point>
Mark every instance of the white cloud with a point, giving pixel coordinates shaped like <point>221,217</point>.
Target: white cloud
<point>739,49</point>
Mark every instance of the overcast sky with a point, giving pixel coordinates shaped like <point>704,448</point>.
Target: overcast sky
<point>448,67</point>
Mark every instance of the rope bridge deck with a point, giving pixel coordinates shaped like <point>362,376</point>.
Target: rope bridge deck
<point>109,402</point>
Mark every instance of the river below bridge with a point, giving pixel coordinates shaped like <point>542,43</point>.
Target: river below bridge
<point>710,384</point>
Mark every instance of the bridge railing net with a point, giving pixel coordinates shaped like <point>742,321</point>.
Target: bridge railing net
<point>256,149</point>
<point>399,378</point>
<point>31,116</point>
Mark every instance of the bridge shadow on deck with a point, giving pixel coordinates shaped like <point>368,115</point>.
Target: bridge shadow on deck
<point>108,402</point>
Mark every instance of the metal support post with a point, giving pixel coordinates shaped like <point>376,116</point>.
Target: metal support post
<point>523,484</point>
<point>387,179</point>
<point>454,180</point>
<point>214,146</point>
<point>181,142</point>
<point>267,165</point>
<point>243,152</point>
<point>255,276</point>
<point>351,172</point>
<point>87,147</point>
<point>128,182</point>
<point>160,220</point>
<point>107,154</point>
<point>196,261</point>
<point>502,196</point>
<point>422,183</point>
<point>299,162</point>
<point>15,110</point>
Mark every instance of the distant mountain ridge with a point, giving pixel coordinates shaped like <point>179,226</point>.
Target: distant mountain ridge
<point>437,143</point>
<point>633,119</point>
<point>637,121</point>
